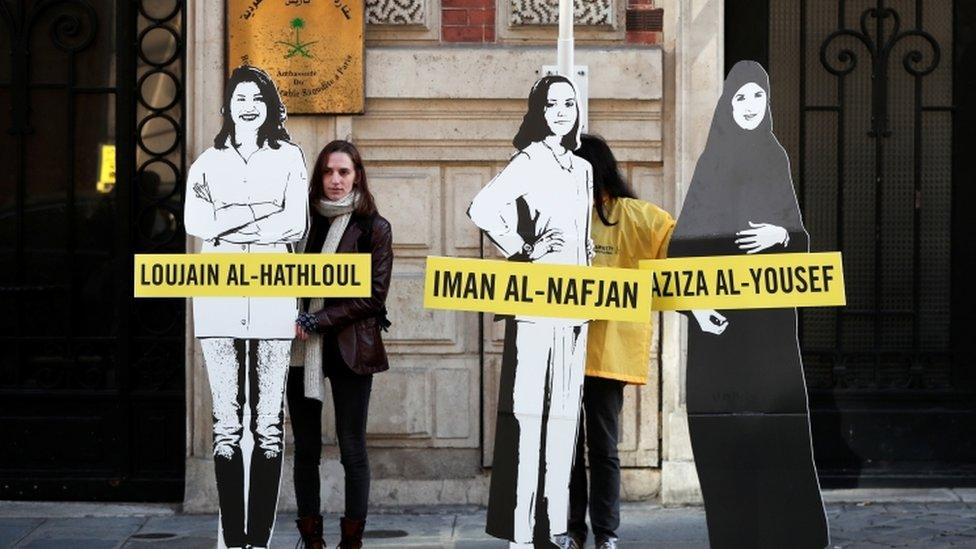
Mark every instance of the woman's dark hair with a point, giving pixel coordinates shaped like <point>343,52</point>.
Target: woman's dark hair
<point>367,204</point>
<point>607,181</point>
<point>534,127</point>
<point>272,131</point>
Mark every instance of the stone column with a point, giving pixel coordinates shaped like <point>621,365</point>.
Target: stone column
<point>204,76</point>
<point>693,76</point>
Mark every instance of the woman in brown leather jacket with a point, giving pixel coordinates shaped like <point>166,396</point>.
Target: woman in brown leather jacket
<point>342,342</point>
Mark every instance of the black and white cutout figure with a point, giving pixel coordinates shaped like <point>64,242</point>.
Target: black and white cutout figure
<point>747,402</point>
<point>538,209</point>
<point>247,194</point>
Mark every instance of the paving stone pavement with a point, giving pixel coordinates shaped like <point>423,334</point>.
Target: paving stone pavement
<point>868,519</point>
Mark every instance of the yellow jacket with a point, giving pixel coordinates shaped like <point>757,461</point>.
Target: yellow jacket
<point>621,350</point>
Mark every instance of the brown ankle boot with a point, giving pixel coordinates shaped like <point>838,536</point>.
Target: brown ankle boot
<point>311,530</point>
<point>352,533</point>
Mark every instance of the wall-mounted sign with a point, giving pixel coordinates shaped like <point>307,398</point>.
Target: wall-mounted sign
<point>313,49</point>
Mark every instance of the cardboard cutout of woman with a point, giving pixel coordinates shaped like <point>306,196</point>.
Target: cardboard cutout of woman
<point>538,209</point>
<point>247,194</point>
<point>747,403</point>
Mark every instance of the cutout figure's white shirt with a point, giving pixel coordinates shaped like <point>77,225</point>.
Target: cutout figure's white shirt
<point>238,188</point>
<point>557,198</point>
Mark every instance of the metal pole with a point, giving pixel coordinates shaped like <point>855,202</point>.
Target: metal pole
<point>564,46</point>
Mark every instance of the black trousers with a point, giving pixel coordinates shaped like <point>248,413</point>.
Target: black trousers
<point>350,395</point>
<point>598,433</point>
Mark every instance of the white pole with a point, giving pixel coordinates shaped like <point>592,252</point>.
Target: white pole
<point>564,46</point>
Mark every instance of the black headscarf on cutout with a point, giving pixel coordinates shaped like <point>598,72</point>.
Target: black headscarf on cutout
<point>742,176</point>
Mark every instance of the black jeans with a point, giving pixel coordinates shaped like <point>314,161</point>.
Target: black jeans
<point>350,395</point>
<point>598,432</point>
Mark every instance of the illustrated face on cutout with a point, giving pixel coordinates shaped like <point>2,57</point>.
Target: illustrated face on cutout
<point>247,107</point>
<point>749,106</point>
<point>339,176</point>
<point>561,109</point>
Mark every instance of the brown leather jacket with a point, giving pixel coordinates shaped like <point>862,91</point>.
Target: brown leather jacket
<point>355,322</point>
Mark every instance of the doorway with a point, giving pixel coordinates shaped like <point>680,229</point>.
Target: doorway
<point>92,400</point>
<point>873,103</point>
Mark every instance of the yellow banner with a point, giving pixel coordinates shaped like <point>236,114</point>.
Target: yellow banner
<point>253,275</point>
<point>747,281</point>
<point>532,289</point>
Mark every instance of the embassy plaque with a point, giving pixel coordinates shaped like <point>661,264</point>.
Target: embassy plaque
<point>313,49</point>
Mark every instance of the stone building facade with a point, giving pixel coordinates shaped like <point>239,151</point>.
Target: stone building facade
<point>446,82</point>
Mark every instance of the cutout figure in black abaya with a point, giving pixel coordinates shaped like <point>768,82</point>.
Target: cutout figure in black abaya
<point>747,403</point>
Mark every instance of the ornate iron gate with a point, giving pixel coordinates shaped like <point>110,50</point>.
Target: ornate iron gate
<point>865,99</point>
<point>91,381</point>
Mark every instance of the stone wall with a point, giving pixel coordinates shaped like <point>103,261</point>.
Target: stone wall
<point>693,50</point>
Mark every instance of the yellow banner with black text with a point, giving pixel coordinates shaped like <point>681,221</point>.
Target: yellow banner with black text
<point>539,290</point>
<point>253,275</point>
<point>747,281</point>
<point>599,293</point>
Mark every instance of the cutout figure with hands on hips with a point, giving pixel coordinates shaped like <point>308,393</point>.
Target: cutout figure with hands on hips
<point>538,209</point>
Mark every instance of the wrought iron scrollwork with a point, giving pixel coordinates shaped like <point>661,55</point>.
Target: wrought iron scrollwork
<point>879,46</point>
<point>65,24</point>
<point>68,32</point>
<point>160,169</point>
<point>72,31</point>
<point>160,209</point>
<point>886,193</point>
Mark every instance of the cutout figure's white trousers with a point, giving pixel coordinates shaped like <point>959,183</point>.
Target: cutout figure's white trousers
<point>247,383</point>
<point>548,378</point>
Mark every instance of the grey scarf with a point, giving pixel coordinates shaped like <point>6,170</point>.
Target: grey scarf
<point>338,212</point>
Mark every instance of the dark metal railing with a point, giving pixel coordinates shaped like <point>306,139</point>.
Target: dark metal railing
<point>66,56</point>
<point>875,35</point>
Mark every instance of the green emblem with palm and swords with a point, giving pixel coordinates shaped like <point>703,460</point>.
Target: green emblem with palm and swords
<point>297,47</point>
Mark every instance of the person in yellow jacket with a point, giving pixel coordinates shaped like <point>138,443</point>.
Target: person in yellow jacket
<point>625,230</point>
